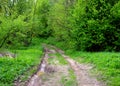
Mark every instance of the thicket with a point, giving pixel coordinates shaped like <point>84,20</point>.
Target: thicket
<point>21,20</point>
<point>22,66</point>
<point>87,25</point>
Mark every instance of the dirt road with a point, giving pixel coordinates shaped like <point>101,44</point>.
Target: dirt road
<point>55,70</point>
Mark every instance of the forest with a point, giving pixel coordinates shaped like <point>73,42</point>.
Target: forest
<point>80,25</point>
<point>82,28</point>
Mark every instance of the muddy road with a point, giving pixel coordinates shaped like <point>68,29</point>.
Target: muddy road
<point>58,69</point>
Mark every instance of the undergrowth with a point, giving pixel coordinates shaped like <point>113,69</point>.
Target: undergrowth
<point>106,64</point>
<point>12,68</point>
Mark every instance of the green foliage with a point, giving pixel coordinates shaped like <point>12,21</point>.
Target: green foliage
<point>86,25</point>
<point>12,68</point>
<point>41,19</point>
<point>92,25</point>
<point>91,21</point>
<point>14,29</point>
<point>81,25</point>
<point>11,31</point>
<point>106,65</point>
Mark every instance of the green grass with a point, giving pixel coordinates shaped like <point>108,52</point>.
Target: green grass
<point>69,81</point>
<point>12,68</point>
<point>58,58</point>
<point>106,64</point>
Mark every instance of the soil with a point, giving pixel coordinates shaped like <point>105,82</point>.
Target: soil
<point>51,74</point>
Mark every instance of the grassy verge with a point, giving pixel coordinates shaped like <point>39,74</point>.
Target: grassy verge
<point>106,64</point>
<point>12,68</point>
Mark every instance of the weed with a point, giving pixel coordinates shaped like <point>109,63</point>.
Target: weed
<point>12,68</point>
<point>107,64</point>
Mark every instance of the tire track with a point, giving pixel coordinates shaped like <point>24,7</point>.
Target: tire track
<point>81,71</point>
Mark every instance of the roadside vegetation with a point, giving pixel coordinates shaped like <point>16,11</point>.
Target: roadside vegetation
<point>12,68</point>
<point>106,65</point>
<point>88,30</point>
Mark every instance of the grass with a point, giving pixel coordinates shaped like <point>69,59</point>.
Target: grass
<point>12,68</point>
<point>106,64</point>
<point>57,59</point>
<point>69,81</point>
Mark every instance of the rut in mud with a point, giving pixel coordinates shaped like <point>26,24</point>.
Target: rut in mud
<point>52,71</point>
